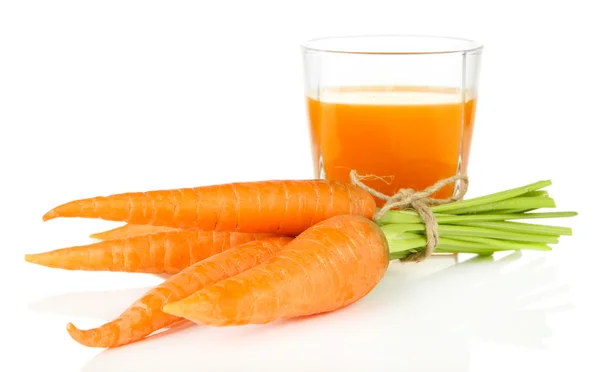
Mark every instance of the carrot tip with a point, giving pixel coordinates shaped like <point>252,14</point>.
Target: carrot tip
<point>50,215</point>
<point>31,258</point>
<point>75,332</point>
<point>42,259</point>
<point>171,309</point>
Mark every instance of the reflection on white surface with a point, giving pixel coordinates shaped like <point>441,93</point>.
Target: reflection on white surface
<point>103,305</point>
<point>421,317</point>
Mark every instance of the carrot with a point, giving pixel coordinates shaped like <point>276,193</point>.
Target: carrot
<point>282,207</point>
<point>330,265</point>
<point>129,230</point>
<point>160,253</point>
<point>145,316</point>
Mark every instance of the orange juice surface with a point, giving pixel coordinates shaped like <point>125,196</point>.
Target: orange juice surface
<point>406,136</point>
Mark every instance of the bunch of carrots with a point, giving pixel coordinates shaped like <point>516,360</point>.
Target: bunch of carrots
<point>255,252</point>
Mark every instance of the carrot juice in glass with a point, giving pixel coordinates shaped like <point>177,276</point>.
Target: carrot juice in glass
<point>398,109</point>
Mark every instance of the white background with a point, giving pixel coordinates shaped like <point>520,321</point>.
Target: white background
<point>98,97</point>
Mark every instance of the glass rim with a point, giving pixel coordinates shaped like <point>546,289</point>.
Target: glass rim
<point>470,46</point>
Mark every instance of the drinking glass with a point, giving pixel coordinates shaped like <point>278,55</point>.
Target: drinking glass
<point>399,109</point>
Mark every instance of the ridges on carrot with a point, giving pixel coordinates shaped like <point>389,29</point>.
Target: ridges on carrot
<point>145,316</point>
<point>330,265</point>
<point>282,207</point>
<point>160,253</point>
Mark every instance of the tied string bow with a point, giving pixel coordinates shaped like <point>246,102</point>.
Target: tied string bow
<point>421,202</point>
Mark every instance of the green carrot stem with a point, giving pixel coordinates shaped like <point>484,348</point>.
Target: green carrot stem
<point>400,248</point>
<point>442,248</point>
<point>451,230</point>
<point>506,245</point>
<point>407,245</point>
<point>491,198</point>
<point>406,241</point>
<point>455,230</point>
<point>536,193</point>
<point>482,225</point>
<point>519,227</point>
<point>409,216</point>
<point>518,203</point>
<point>459,244</point>
<point>511,211</point>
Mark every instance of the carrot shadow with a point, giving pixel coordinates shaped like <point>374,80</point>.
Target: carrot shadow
<point>419,318</point>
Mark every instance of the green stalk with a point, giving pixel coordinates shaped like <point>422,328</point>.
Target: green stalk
<point>536,193</point>
<point>505,245</point>
<point>411,243</point>
<point>409,216</point>
<point>511,211</point>
<point>480,225</point>
<point>405,244</point>
<point>491,198</point>
<point>400,248</point>
<point>520,227</point>
<point>515,204</point>
<point>452,230</point>
<point>459,230</point>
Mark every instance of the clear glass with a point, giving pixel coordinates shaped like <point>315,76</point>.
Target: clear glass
<point>400,109</point>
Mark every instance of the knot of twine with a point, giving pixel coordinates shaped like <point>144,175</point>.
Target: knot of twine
<point>421,202</point>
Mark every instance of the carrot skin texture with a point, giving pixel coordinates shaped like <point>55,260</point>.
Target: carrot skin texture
<point>281,207</point>
<point>129,230</point>
<point>330,265</point>
<point>160,253</point>
<point>145,316</point>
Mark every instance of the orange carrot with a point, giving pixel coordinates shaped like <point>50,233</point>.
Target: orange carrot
<point>330,265</point>
<point>160,253</point>
<point>282,207</point>
<point>145,315</point>
<point>129,230</point>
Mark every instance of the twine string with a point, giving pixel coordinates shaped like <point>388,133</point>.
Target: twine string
<point>421,202</point>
